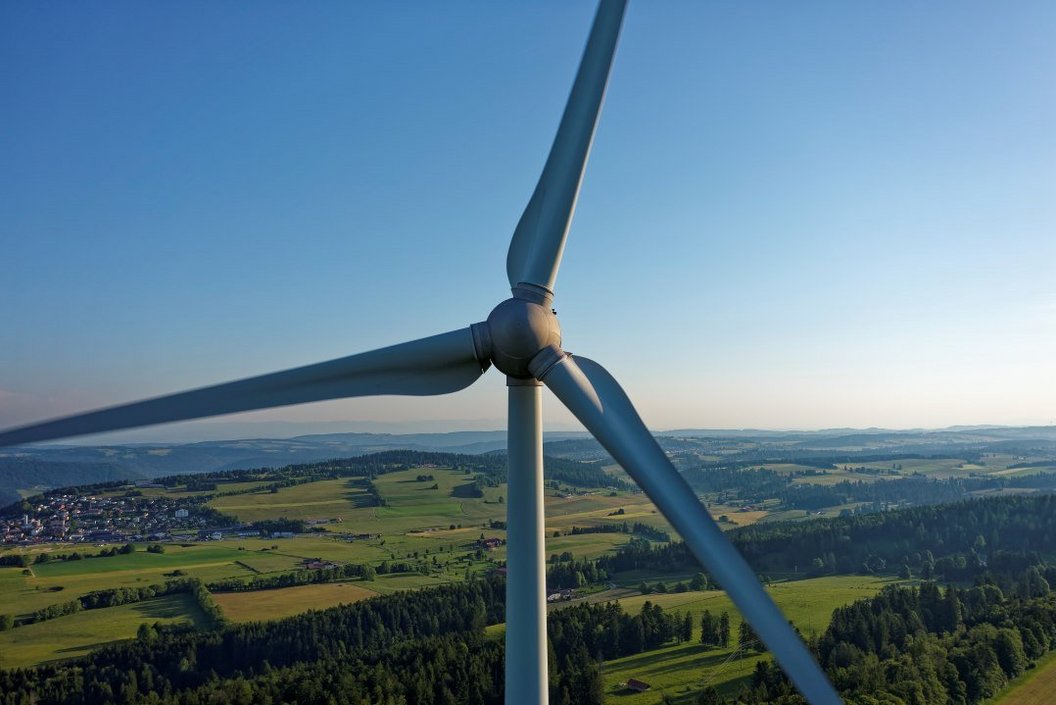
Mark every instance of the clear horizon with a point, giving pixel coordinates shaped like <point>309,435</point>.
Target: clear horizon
<point>794,217</point>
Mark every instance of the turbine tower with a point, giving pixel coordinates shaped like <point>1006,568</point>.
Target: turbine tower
<point>522,338</point>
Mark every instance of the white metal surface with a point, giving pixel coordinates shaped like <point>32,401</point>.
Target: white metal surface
<point>526,668</point>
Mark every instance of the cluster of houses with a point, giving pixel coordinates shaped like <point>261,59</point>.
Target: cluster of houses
<point>240,531</point>
<point>317,564</point>
<point>97,519</point>
<point>561,596</point>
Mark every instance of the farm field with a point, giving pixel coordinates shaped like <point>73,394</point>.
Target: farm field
<point>1035,687</point>
<point>935,468</point>
<point>422,521</point>
<point>181,491</point>
<point>680,671</point>
<point>417,517</point>
<point>77,634</point>
<point>61,581</point>
<point>325,499</point>
<point>415,524</point>
<point>276,604</point>
<point>833,477</point>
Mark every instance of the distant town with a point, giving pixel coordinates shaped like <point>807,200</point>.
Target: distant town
<point>126,514</point>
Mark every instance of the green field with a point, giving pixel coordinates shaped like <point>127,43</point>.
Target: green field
<point>425,523</point>
<point>62,581</point>
<point>77,634</point>
<point>682,670</point>
<point>276,604</point>
<point>417,517</point>
<point>935,468</point>
<point>1035,687</point>
<point>413,526</point>
<point>326,499</point>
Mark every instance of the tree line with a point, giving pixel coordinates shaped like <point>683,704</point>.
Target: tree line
<point>957,542</point>
<point>114,597</point>
<point>424,647</point>
<point>919,646</point>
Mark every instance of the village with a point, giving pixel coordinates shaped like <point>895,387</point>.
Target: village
<point>74,518</point>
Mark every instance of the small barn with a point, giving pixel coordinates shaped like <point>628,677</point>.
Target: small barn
<point>637,686</point>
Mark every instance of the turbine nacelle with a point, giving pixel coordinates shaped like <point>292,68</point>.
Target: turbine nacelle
<point>516,332</point>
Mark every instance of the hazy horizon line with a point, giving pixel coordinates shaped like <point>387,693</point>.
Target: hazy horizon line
<point>286,430</point>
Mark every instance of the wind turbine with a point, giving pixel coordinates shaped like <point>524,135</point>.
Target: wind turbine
<point>522,338</point>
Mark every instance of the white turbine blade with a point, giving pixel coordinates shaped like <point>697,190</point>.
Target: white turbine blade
<point>436,365</point>
<point>535,251</point>
<point>597,400</point>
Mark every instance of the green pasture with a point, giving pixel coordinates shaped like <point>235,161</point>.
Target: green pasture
<point>290,552</point>
<point>77,634</point>
<point>736,515</point>
<point>586,545</point>
<point>789,468</point>
<point>175,556</point>
<point>833,477</point>
<point>682,670</point>
<point>326,499</point>
<point>285,602</point>
<point>1034,687</point>
<point>181,491</point>
<point>395,582</point>
<point>61,581</point>
<point>416,517</point>
<point>1020,472</point>
<point>936,468</point>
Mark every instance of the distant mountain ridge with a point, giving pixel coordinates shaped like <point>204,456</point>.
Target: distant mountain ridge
<point>46,466</point>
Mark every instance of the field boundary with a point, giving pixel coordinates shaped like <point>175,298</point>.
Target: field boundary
<point>1033,687</point>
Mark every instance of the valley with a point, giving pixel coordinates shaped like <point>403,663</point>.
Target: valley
<point>259,545</point>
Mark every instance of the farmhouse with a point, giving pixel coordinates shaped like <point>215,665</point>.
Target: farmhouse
<point>317,564</point>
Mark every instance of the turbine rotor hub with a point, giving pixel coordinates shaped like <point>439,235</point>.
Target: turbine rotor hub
<point>518,330</point>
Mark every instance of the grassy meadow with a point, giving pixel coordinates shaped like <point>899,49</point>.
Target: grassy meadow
<point>430,522</point>
<point>1035,687</point>
<point>77,634</point>
<point>276,604</point>
<point>682,670</point>
<point>421,521</point>
<point>55,582</point>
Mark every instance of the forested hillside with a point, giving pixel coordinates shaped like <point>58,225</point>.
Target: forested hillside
<point>33,473</point>
<point>953,542</point>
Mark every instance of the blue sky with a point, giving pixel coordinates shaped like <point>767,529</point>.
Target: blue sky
<point>796,215</point>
